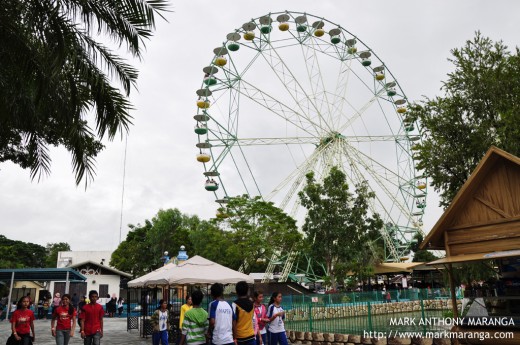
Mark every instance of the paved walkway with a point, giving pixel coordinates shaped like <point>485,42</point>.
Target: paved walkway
<point>114,330</point>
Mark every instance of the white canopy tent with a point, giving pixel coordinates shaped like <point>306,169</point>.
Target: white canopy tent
<point>196,270</point>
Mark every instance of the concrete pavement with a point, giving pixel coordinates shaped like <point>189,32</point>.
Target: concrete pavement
<point>114,333</point>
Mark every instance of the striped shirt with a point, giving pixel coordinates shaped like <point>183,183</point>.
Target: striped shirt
<point>195,325</point>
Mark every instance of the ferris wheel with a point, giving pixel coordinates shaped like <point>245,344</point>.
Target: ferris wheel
<point>288,93</point>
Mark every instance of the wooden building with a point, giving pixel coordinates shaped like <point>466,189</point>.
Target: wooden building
<point>483,223</point>
<point>483,220</point>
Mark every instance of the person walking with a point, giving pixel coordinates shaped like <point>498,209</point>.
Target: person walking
<point>22,322</point>
<point>74,300</point>
<point>120,306</point>
<point>40,309</point>
<point>56,301</point>
<point>276,316</point>
<point>221,317</point>
<point>81,304</point>
<point>91,317</point>
<point>243,330</point>
<point>195,324</point>
<point>112,306</point>
<point>261,317</point>
<point>46,305</point>
<point>185,307</point>
<point>65,317</point>
<point>160,323</point>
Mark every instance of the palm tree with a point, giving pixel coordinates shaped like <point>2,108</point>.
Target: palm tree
<point>54,72</point>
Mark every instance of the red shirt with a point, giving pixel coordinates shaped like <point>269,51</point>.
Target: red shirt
<point>22,320</point>
<point>92,314</point>
<point>64,319</point>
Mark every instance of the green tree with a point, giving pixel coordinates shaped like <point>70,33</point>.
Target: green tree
<point>480,107</point>
<point>258,229</point>
<point>338,225</point>
<point>133,254</point>
<point>213,243</point>
<point>52,250</point>
<point>20,254</point>
<point>421,255</point>
<point>170,230</point>
<point>144,246</point>
<point>54,71</point>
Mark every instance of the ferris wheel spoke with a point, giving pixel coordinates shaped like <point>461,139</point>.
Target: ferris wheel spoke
<point>382,177</point>
<point>277,107</point>
<point>341,91</point>
<point>375,138</point>
<point>264,141</point>
<point>358,176</point>
<point>293,87</point>
<point>357,113</point>
<point>249,170</point>
<point>300,170</point>
<point>319,95</point>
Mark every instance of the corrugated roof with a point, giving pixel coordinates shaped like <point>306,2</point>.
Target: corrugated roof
<point>41,274</point>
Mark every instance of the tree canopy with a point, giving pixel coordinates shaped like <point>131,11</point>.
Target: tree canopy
<point>257,229</point>
<point>250,233</point>
<point>55,72</point>
<point>22,254</point>
<point>338,224</point>
<point>144,246</point>
<point>480,107</point>
<point>52,250</point>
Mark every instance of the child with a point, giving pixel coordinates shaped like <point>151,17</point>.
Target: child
<point>65,314</point>
<point>220,317</point>
<point>243,330</point>
<point>261,317</point>
<point>195,324</point>
<point>22,322</point>
<point>91,318</point>
<point>276,316</point>
<point>160,324</point>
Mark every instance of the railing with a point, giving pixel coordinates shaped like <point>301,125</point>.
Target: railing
<point>367,296</point>
<point>359,317</point>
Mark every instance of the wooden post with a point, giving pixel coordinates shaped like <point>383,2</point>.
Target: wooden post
<point>452,292</point>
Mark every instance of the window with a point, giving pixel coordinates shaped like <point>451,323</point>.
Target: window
<point>103,290</point>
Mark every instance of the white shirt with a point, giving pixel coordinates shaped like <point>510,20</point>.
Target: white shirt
<point>222,312</point>
<point>163,320</point>
<point>277,325</point>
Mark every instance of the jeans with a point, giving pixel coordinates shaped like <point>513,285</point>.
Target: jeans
<point>160,337</point>
<point>276,338</point>
<point>62,336</point>
<point>26,339</point>
<point>93,339</point>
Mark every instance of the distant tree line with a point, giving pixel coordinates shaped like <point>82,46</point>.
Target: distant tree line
<point>22,254</point>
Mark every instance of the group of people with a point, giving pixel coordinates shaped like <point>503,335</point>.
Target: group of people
<point>63,322</point>
<point>246,321</point>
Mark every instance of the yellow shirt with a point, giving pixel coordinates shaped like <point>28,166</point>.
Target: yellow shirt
<point>184,309</point>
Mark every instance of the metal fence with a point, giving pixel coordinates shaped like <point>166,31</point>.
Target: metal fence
<point>354,313</point>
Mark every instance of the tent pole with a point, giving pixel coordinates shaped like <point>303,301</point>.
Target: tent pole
<point>10,296</point>
<point>452,292</point>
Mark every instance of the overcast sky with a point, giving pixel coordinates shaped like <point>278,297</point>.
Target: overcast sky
<point>413,38</point>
